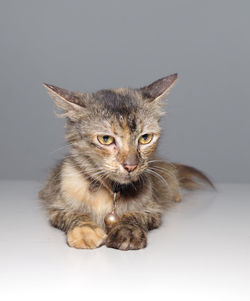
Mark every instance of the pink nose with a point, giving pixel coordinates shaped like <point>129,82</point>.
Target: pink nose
<point>129,168</point>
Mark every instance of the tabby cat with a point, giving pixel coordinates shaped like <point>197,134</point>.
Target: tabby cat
<point>110,172</point>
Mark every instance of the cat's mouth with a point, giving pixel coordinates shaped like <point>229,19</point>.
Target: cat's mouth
<point>123,178</point>
<point>126,179</point>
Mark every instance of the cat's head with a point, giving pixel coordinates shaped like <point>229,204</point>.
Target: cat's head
<point>113,133</point>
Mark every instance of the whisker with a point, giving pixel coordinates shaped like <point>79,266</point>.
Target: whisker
<point>60,148</point>
<point>152,172</point>
<point>163,161</point>
<point>165,170</point>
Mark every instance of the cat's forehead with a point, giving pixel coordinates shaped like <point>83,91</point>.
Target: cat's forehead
<point>124,109</point>
<point>124,127</point>
<point>120,102</point>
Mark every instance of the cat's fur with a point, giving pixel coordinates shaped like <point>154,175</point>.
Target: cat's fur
<point>79,192</point>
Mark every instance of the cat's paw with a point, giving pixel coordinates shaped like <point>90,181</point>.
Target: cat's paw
<point>126,237</point>
<point>86,237</point>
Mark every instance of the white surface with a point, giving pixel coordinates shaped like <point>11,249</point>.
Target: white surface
<point>202,252</point>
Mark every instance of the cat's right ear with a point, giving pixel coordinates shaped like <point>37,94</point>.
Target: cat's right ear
<point>158,89</point>
<point>72,103</point>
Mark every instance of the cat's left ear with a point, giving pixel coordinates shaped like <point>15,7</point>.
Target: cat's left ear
<point>159,88</point>
<point>71,103</point>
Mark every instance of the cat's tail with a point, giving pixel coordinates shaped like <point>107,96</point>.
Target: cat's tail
<point>191,178</point>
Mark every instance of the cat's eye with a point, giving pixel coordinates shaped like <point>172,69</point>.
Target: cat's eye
<point>105,139</point>
<point>145,139</point>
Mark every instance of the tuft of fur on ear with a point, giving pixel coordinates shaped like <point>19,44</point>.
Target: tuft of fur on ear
<point>159,88</point>
<point>72,103</point>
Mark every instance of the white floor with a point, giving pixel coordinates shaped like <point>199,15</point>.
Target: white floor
<point>202,252</point>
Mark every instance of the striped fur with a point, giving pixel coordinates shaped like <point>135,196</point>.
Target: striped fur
<point>79,192</point>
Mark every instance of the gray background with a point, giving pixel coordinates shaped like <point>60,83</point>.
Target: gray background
<point>89,45</point>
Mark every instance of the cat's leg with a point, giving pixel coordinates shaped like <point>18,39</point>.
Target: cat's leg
<point>130,233</point>
<point>82,233</point>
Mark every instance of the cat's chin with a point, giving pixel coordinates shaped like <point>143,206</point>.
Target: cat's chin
<point>127,179</point>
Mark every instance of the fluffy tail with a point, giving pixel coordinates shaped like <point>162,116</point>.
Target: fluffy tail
<point>191,178</point>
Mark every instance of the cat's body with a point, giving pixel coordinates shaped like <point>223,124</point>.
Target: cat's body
<point>112,136</point>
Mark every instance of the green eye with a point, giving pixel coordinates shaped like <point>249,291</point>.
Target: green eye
<point>145,139</point>
<point>106,140</point>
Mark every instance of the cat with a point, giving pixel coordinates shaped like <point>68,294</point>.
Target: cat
<point>111,171</point>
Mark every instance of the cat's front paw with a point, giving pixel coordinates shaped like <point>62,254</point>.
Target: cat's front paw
<point>86,237</point>
<point>126,237</point>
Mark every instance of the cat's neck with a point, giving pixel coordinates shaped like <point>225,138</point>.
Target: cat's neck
<point>128,189</point>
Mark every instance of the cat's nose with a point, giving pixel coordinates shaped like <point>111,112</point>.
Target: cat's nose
<point>129,168</point>
<point>130,162</point>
